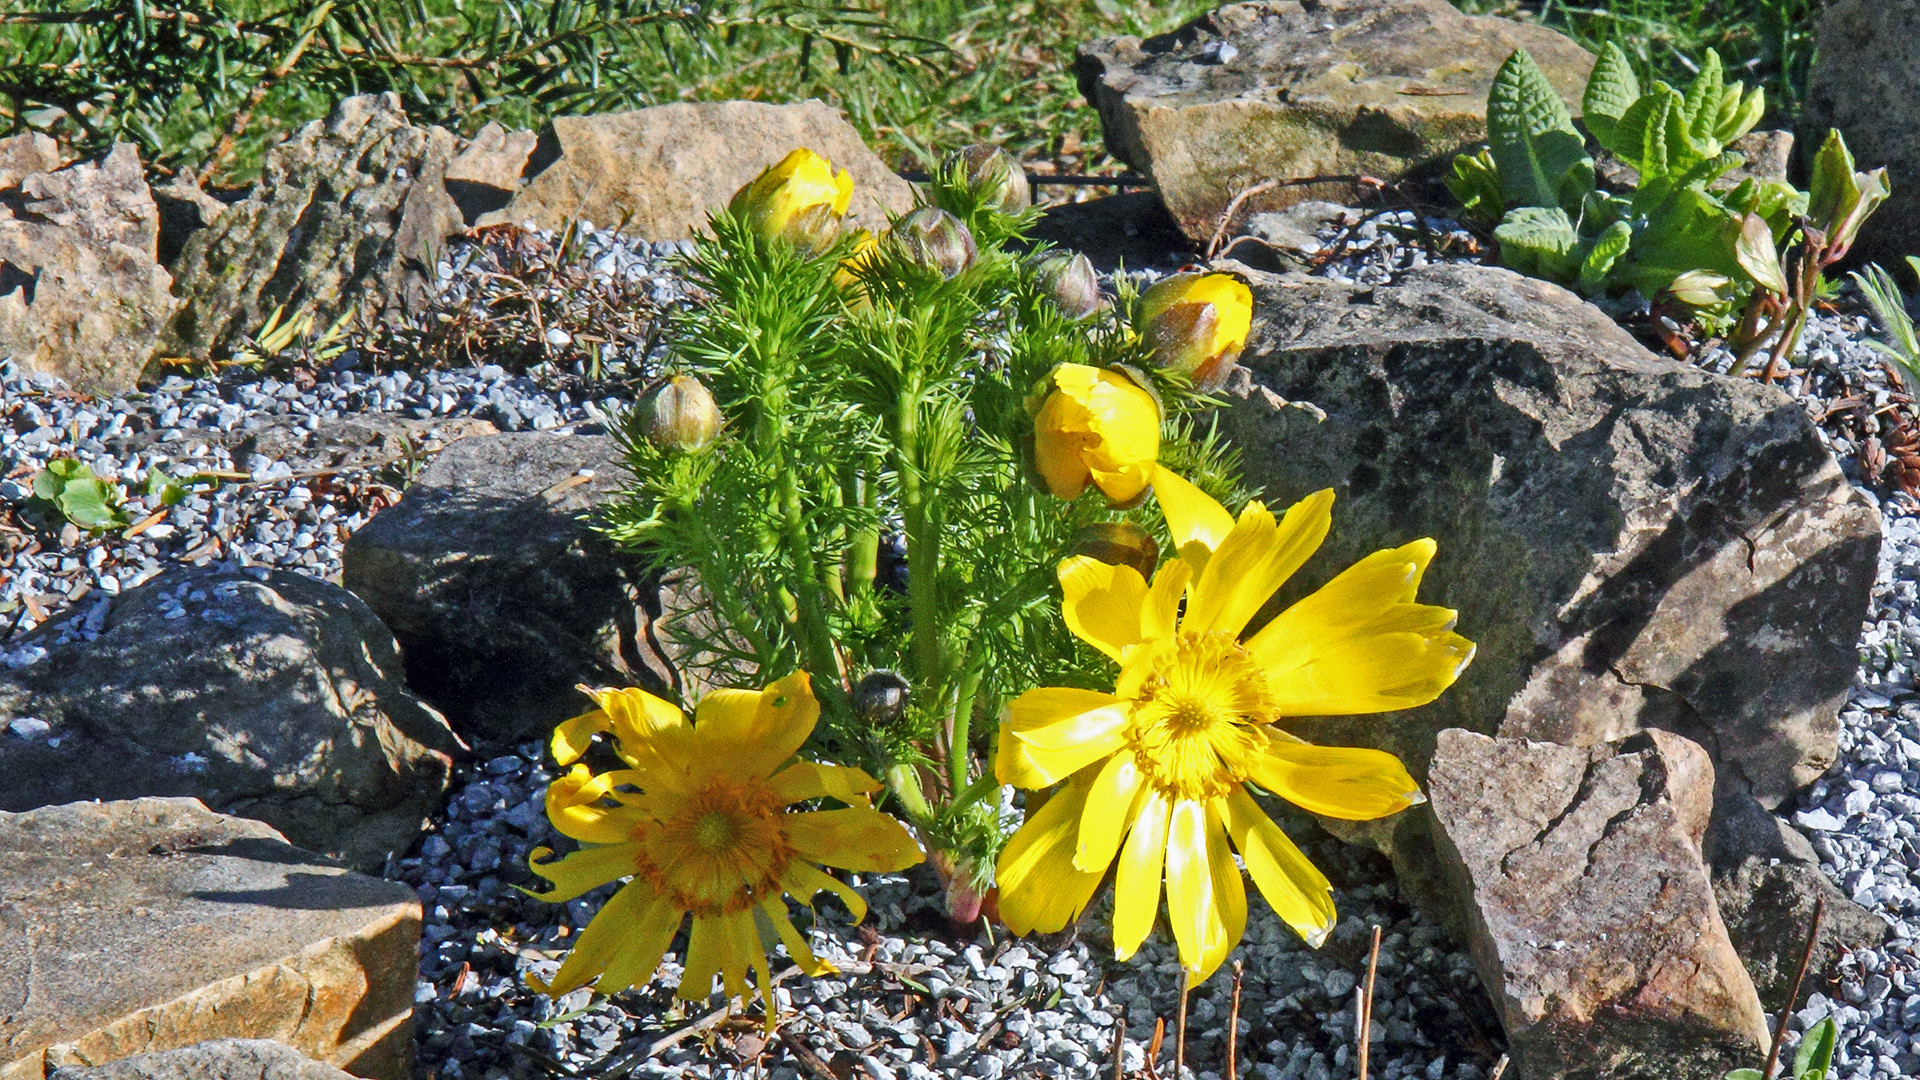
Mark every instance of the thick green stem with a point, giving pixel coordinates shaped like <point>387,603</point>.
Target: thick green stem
<point>923,548</point>
<point>960,732</point>
<point>904,781</point>
<point>863,551</point>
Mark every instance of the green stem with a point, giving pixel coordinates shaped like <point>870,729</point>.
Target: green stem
<point>957,755</point>
<point>863,552</point>
<point>904,781</point>
<point>923,548</point>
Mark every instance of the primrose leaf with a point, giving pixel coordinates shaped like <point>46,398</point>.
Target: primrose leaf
<point>1704,97</point>
<point>1539,241</point>
<point>1740,114</point>
<point>1745,1074</point>
<point>1611,89</point>
<point>91,504</point>
<point>1816,1049</point>
<point>1755,253</point>
<point>1607,250</point>
<point>1531,134</point>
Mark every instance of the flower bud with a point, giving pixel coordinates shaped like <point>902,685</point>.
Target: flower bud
<point>1069,278</point>
<point>1118,543</point>
<point>934,239</point>
<point>1197,324</point>
<point>990,176</point>
<point>880,697</point>
<point>801,200</point>
<point>1096,426</point>
<point>681,415</point>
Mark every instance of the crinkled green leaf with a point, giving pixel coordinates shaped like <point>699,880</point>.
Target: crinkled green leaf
<point>1704,97</point>
<point>1602,256</point>
<point>1739,113</point>
<point>1745,1074</point>
<point>1475,181</point>
<point>1815,1054</point>
<point>1611,90</point>
<point>1531,134</point>
<point>1540,242</point>
<point>1694,232</point>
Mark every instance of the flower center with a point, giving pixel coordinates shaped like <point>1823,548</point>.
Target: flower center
<point>718,850</point>
<point>1191,721</point>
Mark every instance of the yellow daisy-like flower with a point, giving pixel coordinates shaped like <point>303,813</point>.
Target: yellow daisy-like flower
<point>800,198</point>
<point>698,822</point>
<point>1156,772</point>
<point>1096,426</point>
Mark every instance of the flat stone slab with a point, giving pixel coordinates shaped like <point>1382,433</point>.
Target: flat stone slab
<point>1589,913</point>
<point>152,924</point>
<point>216,1059</point>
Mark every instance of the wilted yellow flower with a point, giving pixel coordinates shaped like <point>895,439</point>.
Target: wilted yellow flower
<point>1096,426</point>
<point>800,199</point>
<point>706,833</point>
<point>1156,772</point>
<point>1197,323</point>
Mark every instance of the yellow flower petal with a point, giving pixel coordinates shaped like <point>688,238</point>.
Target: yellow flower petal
<point>707,948</point>
<point>1052,732</point>
<point>1194,905</point>
<point>1109,811</point>
<point>797,948</point>
<point>650,734</point>
<point>1255,559</point>
<point>853,839</point>
<point>572,737</point>
<point>1161,613</point>
<point>1349,783</point>
<point>1102,603</point>
<point>1136,881</point>
<point>802,881</point>
<point>1039,887</point>
<point>581,872</point>
<point>1229,890</point>
<point>843,191</point>
<point>1192,515</point>
<point>572,806</point>
<point>1293,887</point>
<point>605,938</point>
<point>649,930</point>
<point>812,780</point>
<point>751,732</point>
<point>1360,644</point>
<point>1099,426</point>
<point>741,952</point>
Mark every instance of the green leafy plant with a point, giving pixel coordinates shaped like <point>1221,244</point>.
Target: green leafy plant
<point>1538,181</point>
<point>1811,1061</point>
<point>1890,311</point>
<point>838,397</point>
<point>279,335</point>
<point>70,488</point>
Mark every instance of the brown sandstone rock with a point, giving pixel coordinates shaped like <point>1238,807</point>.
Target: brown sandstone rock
<point>664,168</point>
<point>488,171</point>
<point>82,294</point>
<point>151,924</point>
<point>215,1059</point>
<point>25,154</point>
<point>1591,919</point>
<point>1291,89</point>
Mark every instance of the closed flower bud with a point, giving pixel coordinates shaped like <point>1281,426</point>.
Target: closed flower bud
<point>1197,324</point>
<point>1096,426</point>
<point>681,415</point>
<point>880,697</point>
<point>934,239</point>
<point>1068,277</point>
<point>990,176</point>
<point>801,200</point>
<point>1118,543</point>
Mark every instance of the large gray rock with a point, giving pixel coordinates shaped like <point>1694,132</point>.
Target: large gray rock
<point>349,216</point>
<point>662,170</point>
<point>1631,543</point>
<point>274,697</point>
<point>501,596</point>
<point>82,292</point>
<point>151,924</point>
<point>215,1059</point>
<point>1589,913</point>
<point>1767,880</point>
<point>1863,84</point>
<point>1292,89</point>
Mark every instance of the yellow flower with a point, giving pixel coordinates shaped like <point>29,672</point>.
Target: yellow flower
<point>1156,772</point>
<point>1096,426</point>
<point>706,832</point>
<point>800,199</point>
<point>1197,323</point>
<point>866,248</point>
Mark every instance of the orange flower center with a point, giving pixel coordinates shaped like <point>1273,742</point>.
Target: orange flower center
<point>1190,730</point>
<point>719,850</point>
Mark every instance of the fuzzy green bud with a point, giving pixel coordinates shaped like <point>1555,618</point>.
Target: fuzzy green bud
<point>935,240</point>
<point>681,415</point>
<point>1118,543</point>
<point>991,176</point>
<point>1068,277</point>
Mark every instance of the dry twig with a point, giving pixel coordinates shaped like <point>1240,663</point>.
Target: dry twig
<point>1233,1023</point>
<point>1364,1006</point>
<point>1793,995</point>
